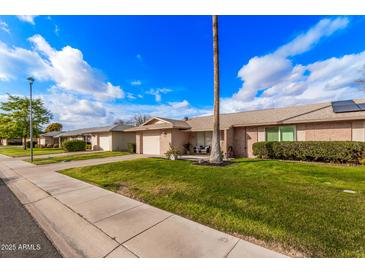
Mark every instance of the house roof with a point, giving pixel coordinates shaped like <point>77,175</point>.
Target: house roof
<point>164,123</point>
<point>289,115</point>
<point>51,134</point>
<point>83,131</point>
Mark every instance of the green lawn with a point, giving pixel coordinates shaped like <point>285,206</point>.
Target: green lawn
<point>77,157</point>
<point>18,151</point>
<point>288,205</point>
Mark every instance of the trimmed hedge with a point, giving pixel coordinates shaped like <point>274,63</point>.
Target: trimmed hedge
<point>320,151</point>
<point>74,145</point>
<point>131,147</point>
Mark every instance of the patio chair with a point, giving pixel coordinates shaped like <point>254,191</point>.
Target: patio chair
<point>205,150</point>
<point>197,149</point>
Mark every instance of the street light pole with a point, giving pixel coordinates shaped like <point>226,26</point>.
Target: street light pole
<point>31,80</point>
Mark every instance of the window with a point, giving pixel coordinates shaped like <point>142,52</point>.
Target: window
<point>287,133</point>
<point>284,133</point>
<point>272,134</point>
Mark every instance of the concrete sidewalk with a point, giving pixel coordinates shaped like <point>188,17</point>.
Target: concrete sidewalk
<point>83,220</point>
<point>80,163</point>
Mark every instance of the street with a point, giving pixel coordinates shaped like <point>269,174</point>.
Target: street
<point>20,236</point>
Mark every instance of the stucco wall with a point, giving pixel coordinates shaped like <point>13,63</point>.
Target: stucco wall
<point>46,140</point>
<point>179,139</point>
<point>165,140</point>
<point>120,140</point>
<point>106,143</point>
<point>95,142</point>
<point>139,143</point>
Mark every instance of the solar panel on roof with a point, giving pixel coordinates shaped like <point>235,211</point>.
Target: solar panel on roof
<point>361,106</point>
<point>345,106</point>
<point>345,102</point>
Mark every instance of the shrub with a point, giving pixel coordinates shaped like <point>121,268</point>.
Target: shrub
<point>34,144</point>
<point>321,151</point>
<point>88,146</point>
<point>131,147</point>
<point>56,145</point>
<point>172,153</point>
<point>74,145</point>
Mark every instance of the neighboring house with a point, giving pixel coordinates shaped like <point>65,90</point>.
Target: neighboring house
<point>108,138</point>
<point>111,138</point>
<point>48,138</point>
<point>11,141</point>
<point>337,121</point>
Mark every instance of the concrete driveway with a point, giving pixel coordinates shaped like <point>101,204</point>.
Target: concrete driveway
<point>83,220</point>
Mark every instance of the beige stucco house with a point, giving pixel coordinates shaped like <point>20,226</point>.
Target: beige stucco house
<point>48,139</point>
<point>239,131</point>
<point>107,138</point>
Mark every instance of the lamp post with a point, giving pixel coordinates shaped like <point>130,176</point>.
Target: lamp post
<point>31,80</point>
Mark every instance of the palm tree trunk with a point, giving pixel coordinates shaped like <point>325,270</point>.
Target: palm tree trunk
<point>216,155</point>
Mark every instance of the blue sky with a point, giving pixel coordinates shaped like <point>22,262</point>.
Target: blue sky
<point>92,70</point>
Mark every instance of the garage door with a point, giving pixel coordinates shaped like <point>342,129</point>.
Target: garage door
<point>151,143</point>
<point>104,142</point>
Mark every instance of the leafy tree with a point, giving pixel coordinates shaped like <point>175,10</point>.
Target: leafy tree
<point>54,127</point>
<point>14,117</point>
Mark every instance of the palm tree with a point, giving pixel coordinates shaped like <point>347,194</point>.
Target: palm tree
<point>216,155</point>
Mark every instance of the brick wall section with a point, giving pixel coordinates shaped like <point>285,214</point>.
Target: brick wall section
<point>358,133</point>
<point>334,131</point>
<point>239,141</point>
<point>301,132</point>
<point>251,137</point>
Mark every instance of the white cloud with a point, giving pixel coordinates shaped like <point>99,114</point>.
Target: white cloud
<point>18,62</point>
<point>74,112</point>
<point>131,96</point>
<point>157,92</point>
<point>283,83</point>
<point>327,80</point>
<point>4,26</point>
<point>304,42</point>
<point>27,18</point>
<point>182,104</point>
<point>136,83</point>
<point>68,69</point>
<point>262,72</point>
